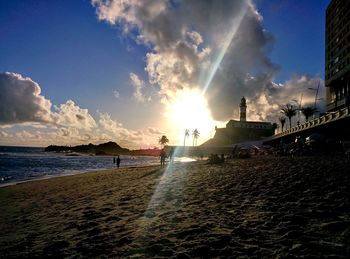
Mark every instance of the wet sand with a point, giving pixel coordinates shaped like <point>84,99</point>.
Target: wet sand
<point>263,207</point>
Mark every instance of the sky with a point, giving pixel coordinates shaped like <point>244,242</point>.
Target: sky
<point>74,72</point>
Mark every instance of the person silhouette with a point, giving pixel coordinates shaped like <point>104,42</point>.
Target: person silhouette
<point>162,157</point>
<point>118,161</point>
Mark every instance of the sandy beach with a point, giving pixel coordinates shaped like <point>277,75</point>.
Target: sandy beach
<point>264,207</point>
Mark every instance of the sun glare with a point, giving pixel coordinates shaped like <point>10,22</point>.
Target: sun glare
<point>190,111</point>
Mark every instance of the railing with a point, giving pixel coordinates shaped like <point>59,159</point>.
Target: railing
<point>332,116</point>
<point>331,106</point>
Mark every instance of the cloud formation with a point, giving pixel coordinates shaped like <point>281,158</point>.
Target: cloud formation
<point>21,100</point>
<point>69,114</point>
<point>154,131</point>
<point>21,103</point>
<point>117,131</point>
<point>218,43</point>
<point>138,85</point>
<point>116,94</point>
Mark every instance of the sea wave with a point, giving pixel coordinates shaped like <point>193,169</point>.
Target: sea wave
<point>18,164</point>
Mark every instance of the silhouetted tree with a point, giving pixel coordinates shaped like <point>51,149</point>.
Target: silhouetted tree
<point>282,121</point>
<point>187,134</point>
<point>195,136</point>
<point>289,111</point>
<point>163,140</point>
<point>308,112</point>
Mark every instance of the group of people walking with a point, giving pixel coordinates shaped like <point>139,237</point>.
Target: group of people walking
<point>163,156</point>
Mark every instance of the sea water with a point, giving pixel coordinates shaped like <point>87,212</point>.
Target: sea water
<point>19,164</point>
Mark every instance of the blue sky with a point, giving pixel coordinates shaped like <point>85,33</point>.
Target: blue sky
<point>73,55</point>
<point>299,30</point>
<point>63,47</point>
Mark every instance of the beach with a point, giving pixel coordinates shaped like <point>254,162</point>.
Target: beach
<point>262,207</point>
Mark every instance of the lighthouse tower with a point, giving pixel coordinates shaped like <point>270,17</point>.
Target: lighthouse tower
<point>242,110</point>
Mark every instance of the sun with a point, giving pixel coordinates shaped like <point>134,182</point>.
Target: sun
<point>189,110</point>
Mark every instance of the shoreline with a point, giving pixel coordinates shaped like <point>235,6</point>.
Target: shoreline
<point>48,177</point>
<point>263,207</point>
<point>43,178</point>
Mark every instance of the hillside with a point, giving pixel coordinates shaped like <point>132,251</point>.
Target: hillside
<point>109,148</point>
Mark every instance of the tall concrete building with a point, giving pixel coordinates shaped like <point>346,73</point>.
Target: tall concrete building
<point>337,71</point>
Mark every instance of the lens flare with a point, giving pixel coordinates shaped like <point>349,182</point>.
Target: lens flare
<point>189,110</point>
<point>235,23</point>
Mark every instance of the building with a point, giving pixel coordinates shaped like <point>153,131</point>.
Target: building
<point>335,124</point>
<point>337,71</point>
<point>237,131</point>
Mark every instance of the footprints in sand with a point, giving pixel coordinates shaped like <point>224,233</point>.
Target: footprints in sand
<point>257,208</point>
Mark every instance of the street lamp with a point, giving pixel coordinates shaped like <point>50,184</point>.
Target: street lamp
<point>314,89</point>
<point>316,99</point>
<point>299,109</point>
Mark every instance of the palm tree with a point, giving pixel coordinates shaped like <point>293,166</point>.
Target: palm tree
<point>282,120</point>
<point>195,136</point>
<point>187,134</point>
<point>289,111</point>
<point>308,112</point>
<point>163,140</point>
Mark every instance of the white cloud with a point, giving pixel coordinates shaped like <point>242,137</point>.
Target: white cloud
<point>138,85</point>
<point>21,103</point>
<point>116,94</point>
<point>154,131</point>
<point>108,124</point>
<point>27,135</point>
<point>113,11</point>
<point>69,114</point>
<point>69,132</point>
<point>187,42</point>
<point>195,37</point>
<point>267,103</point>
<point>119,133</point>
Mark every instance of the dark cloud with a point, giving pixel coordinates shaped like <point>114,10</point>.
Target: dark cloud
<point>21,100</point>
<point>80,117</point>
<point>191,39</point>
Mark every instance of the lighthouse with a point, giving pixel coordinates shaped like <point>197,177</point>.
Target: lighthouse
<point>242,110</point>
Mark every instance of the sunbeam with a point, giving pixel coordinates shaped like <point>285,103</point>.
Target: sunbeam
<point>169,190</point>
<point>171,183</point>
<point>236,21</point>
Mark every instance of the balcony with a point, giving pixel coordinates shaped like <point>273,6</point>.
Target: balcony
<point>338,104</point>
<point>341,102</point>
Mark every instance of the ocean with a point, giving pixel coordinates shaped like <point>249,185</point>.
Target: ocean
<point>18,164</point>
